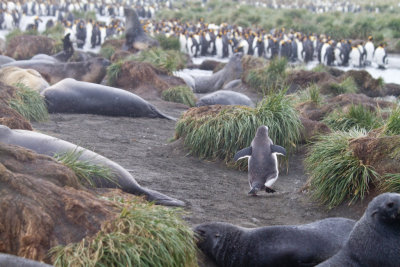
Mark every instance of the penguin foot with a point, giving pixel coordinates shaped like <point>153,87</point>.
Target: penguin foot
<point>269,190</point>
<point>253,192</point>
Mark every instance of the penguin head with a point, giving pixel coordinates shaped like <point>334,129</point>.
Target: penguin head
<point>262,131</point>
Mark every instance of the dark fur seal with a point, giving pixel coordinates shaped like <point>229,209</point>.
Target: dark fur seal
<point>48,145</point>
<point>71,96</point>
<point>232,71</point>
<point>7,260</point>
<point>375,239</point>
<point>134,34</point>
<point>298,245</point>
<point>225,97</point>
<point>263,164</point>
<point>92,70</point>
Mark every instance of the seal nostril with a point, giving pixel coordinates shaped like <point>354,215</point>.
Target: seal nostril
<point>390,205</point>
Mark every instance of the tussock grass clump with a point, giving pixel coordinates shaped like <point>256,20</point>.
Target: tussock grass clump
<point>113,72</point>
<point>347,86</point>
<point>18,32</point>
<point>84,170</point>
<point>390,182</point>
<point>107,51</point>
<point>29,103</point>
<point>392,126</point>
<point>357,116</point>
<point>168,43</point>
<point>180,94</point>
<point>311,94</point>
<point>335,173</point>
<point>223,131</point>
<point>143,235</point>
<point>86,15</point>
<point>268,79</point>
<point>320,68</point>
<point>167,60</point>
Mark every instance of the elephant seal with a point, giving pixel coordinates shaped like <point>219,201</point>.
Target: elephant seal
<point>290,245</point>
<point>7,260</point>
<point>5,59</point>
<point>232,71</point>
<point>48,145</point>
<point>92,70</point>
<point>225,97</point>
<point>263,164</point>
<point>71,96</point>
<point>375,239</point>
<point>29,77</point>
<point>44,57</point>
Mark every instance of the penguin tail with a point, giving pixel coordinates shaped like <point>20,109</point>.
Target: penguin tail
<point>269,190</point>
<point>253,191</point>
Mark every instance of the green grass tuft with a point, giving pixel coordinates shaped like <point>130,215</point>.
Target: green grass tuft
<point>168,43</point>
<point>347,86</point>
<point>29,103</point>
<point>143,235</point>
<point>320,68</point>
<point>310,94</point>
<point>220,135</point>
<point>168,61</point>
<point>357,116</point>
<point>84,170</point>
<point>107,51</point>
<point>335,174</point>
<point>180,94</point>
<point>392,126</point>
<point>86,15</point>
<point>390,182</point>
<point>113,72</point>
<point>268,79</point>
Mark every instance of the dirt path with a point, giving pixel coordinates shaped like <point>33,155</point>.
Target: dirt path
<point>211,190</point>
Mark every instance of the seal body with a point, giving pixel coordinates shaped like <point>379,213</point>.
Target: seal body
<point>48,145</point>
<point>263,164</point>
<point>71,96</point>
<point>29,77</point>
<point>225,97</point>
<point>11,260</point>
<point>92,70</point>
<point>301,245</point>
<point>375,239</point>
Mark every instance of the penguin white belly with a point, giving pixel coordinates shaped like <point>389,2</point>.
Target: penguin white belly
<point>218,47</point>
<point>369,48</point>
<point>354,58</point>
<point>338,59</point>
<point>299,51</point>
<point>270,182</point>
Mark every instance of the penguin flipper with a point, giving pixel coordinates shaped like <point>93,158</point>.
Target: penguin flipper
<point>245,152</point>
<point>277,149</point>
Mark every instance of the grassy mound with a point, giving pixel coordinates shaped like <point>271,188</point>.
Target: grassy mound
<point>84,170</point>
<point>390,182</point>
<point>107,51</point>
<point>180,94</point>
<point>167,60</point>
<point>143,235</point>
<point>113,72</point>
<point>392,126</point>
<point>335,173</point>
<point>56,33</point>
<point>168,43</point>
<point>268,79</point>
<point>29,103</point>
<point>346,86</point>
<point>220,131</point>
<point>310,94</point>
<point>357,116</point>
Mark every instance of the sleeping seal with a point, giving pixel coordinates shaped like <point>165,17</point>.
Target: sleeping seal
<point>298,245</point>
<point>375,239</point>
<point>48,145</point>
<point>263,164</point>
<point>225,97</point>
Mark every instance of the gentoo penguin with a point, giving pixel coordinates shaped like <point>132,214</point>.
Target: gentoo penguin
<point>380,56</point>
<point>369,50</point>
<point>263,164</point>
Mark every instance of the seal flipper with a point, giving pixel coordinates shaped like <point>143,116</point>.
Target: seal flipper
<point>278,149</point>
<point>245,152</point>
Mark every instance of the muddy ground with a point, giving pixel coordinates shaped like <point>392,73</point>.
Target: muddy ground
<point>211,191</point>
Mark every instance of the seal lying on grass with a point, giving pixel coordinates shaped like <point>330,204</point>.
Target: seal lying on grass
<point>48,145</point>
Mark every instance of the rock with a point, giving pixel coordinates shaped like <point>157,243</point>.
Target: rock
<point>365,83</point>
<point>43,205</point>
<point>382,153</point>
<point>26,46</point>
<point>311,129</point>
<point>144,79</point>
<point>392,89</point>
<point>9,116</point>
<point>29,77</point>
